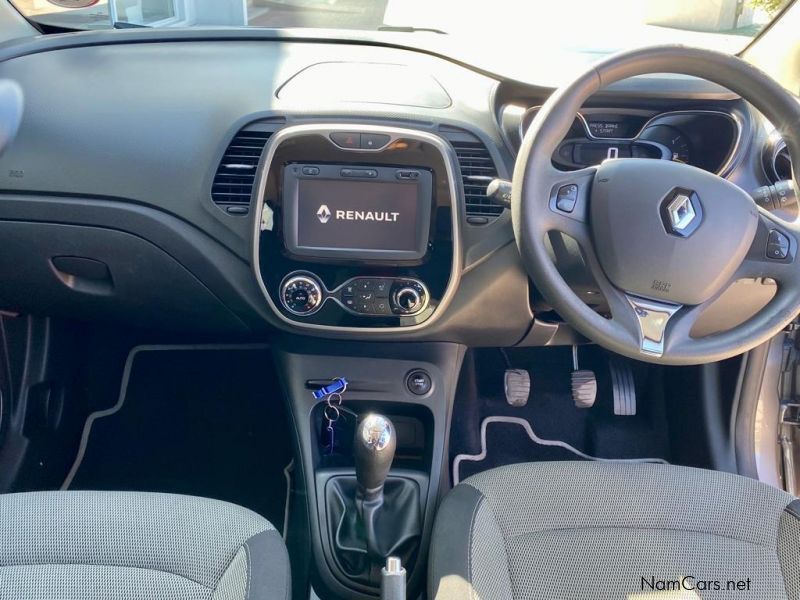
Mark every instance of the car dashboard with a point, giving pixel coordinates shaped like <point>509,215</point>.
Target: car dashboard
<point>243,182</point>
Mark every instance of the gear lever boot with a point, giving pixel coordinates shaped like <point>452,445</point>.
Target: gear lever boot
<point>373,515</point>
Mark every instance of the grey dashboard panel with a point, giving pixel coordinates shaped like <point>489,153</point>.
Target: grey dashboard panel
<point>375,83</point>
<point>128,136</point>
<point>149,123</point>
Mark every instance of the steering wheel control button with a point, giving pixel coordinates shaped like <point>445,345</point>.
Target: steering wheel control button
<point>567,197</point>
<point>419,382</point>
<point>777,245</point>
<point>681,212</point>
<point>374,141</point>
<point>349,140</point>
<point>301,295</point>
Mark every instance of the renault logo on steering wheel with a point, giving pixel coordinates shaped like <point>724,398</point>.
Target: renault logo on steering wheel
<point>681,212</point>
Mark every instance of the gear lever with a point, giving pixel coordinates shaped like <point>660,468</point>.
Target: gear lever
<point>373,451</point>
<point>374,516</point>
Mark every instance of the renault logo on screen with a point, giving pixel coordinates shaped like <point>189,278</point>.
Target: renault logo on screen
<point>324,214</point>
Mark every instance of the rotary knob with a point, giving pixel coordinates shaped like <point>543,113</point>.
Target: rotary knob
<point>301,295</point>
<point>409,298</point>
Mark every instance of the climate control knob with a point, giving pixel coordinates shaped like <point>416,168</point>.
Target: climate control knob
<point>408,299</point>
<point>301,295</point>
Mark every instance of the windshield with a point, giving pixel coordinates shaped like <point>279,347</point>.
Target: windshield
<point>587,25</point>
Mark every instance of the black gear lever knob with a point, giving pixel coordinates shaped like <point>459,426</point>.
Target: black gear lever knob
<point>373,451</point>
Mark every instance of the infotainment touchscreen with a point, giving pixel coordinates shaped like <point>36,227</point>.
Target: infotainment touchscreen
<point>366,213</point>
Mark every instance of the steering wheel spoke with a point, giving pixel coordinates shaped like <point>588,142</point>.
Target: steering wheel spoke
<point>774,251</point>
<point>652,321</point>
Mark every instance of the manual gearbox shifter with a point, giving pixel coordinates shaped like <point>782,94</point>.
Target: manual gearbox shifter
<point>374,515</point>
<point>373,451</point>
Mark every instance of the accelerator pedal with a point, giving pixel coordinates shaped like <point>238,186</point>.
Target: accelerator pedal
<point>584,384</point>
<point>623,387</point>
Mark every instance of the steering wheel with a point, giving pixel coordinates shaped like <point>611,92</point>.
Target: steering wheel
<point>662,239</point>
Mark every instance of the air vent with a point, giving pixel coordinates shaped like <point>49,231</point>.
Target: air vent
<point>777,162</point>
<point>236,174</point>
<point>477,170</point>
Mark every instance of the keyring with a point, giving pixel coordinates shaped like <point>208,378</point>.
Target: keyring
<point>335,399</point>
<point>329,412</point>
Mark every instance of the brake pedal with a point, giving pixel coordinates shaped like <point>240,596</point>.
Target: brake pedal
<point>584,384</point>
<point>623,387</point>
<point>518,387</point>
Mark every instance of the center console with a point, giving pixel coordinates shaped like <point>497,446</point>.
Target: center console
<point>357,230</point>
<point>356,227</point>
<point>371,493</point>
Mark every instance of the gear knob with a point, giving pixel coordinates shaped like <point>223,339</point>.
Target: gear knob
<point>373,451</point>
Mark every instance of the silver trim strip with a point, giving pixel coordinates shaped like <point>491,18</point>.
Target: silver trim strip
<point>324,130</point>
<point>536,440</point>
<point>308,278</point>
<point>723,170</point>
<point>652,318</point>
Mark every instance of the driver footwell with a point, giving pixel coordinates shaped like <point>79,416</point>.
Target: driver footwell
<point>487,432</point>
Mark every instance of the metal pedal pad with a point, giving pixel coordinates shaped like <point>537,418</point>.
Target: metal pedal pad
<point>518,387</point>
<point>623,387</point>
<point>584,388</point>
<point>584,384</point>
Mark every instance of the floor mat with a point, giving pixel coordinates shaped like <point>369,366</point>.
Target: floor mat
<point>205,421</point>
<point>551,413</point>
<point>512,440</point>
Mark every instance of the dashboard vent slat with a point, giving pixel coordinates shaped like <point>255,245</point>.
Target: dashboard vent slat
<point>236,174</point>
<point>477,170</point>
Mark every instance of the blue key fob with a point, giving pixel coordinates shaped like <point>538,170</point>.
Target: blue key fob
<point>337,385</point>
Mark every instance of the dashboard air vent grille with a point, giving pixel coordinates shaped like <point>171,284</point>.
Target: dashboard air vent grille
<point>782,164</point>
<point>236,174</point>
<point>477,170</point>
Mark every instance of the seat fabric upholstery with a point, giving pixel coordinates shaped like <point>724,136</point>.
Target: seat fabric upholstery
<point>614,531</point>
<point>114,545</point>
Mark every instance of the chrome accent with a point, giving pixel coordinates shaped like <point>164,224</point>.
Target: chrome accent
<point>772,149</point>
<point>457,215</point>
<point>375,432</point>
<point>681,212</point>
<point>789,423</point>
<point>293,278</point>
<point>723,170</point>
<point>394,566</point>
<point>652,317</point>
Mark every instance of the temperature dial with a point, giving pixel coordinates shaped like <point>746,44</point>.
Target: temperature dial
<point>301,295</point>
<point>409,297</point>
